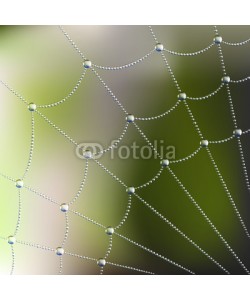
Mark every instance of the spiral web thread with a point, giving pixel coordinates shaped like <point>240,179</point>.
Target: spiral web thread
<point>133,194</point>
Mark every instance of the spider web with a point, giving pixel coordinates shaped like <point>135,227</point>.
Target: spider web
<point>133,194</point>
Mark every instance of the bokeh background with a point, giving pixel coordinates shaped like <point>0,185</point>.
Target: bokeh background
<point>40,64</point>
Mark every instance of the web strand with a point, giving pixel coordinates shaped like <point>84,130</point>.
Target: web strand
<point>231,106</point>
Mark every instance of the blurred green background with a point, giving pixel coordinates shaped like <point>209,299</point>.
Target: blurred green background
<point>40,64</point>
